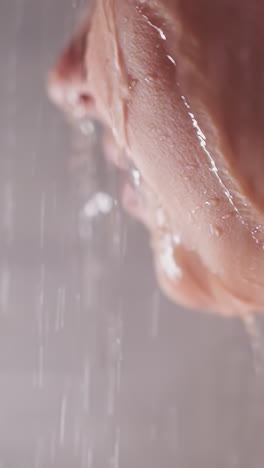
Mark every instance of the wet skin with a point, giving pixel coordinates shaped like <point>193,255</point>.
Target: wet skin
<point>179,86</point>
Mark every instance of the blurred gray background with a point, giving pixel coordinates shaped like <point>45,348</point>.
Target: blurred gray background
<point>97,369</point>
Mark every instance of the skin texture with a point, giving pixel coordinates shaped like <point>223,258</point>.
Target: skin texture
<point>179,86</point>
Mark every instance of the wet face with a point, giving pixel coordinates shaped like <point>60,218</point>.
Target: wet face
<point>179,88</point>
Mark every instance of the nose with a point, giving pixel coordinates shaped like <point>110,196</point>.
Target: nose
<point>68,80</point>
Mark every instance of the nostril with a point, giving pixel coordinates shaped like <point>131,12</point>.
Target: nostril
<point>70,95</point>
<point>82,106</point>
<point>86,100</point>
<point>78,103</point>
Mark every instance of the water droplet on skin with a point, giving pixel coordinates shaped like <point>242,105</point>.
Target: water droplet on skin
<point>258,228</point>
<point>192,166</point>
<point>216,230</point>
<point>231,214</point>
<point>136,177</point>
<point>132,84</point>
<point>257,234</point>
<point>192,214</point>
<point>159,30</point>
<point>171,59</point>
<point>194,210</point>
<point>203,143</point>
<point>150,78</point>
<point>212,201</point>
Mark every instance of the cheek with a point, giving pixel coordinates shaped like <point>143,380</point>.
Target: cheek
<point>163,143</point>
<point>165,147</point>
<point>160,136</point>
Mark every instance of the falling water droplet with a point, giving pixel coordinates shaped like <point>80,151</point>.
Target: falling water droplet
<point>116,456</point>
<point>167,258</point>
<point>60,309</point>
<point>4,288</point>
<point>256,341</point>
<point>87,127</point>
<point>8,216</point>
<point>90,458</point>
<point>53,446</point>
<point>86,387</point>
<point>42,218</point>
<point>111,392</point>
<point>155,315</point>
<point>62,419</point>
<point>39,452</point>
<point>38,377</point>
<point>100,203</point>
